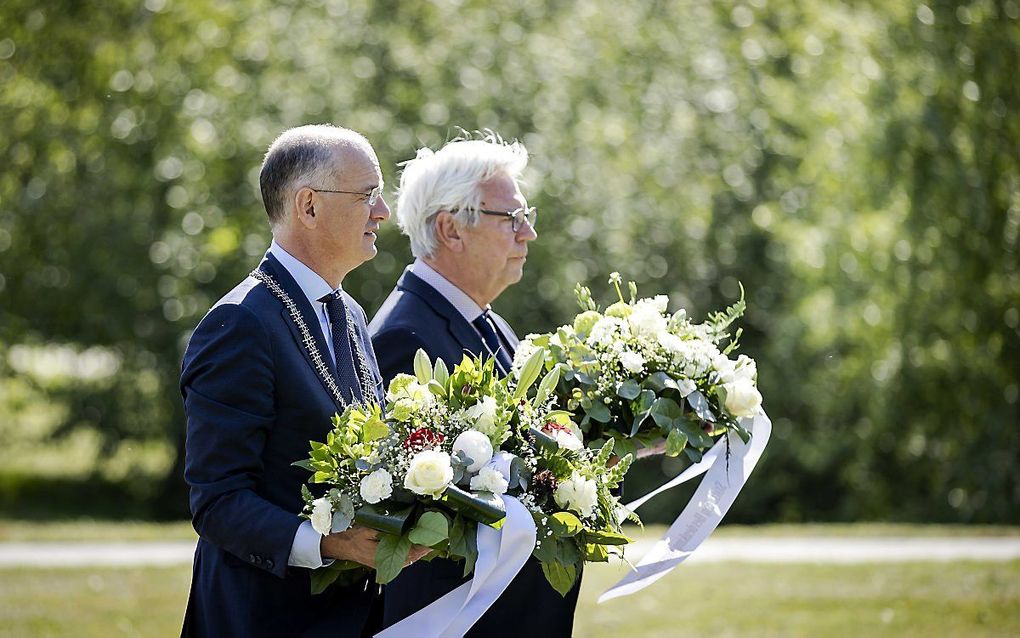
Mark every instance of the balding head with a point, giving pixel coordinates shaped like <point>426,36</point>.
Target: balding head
<point>308,155</point>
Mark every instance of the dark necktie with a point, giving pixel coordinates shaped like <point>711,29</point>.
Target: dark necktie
<point>485,326</point>
<point>346,365</point>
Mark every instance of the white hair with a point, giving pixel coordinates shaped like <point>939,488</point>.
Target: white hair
<point>302,156</point>
<point>450,179</point>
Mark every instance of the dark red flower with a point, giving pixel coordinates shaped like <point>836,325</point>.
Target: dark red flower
<point>544,482</point>
<point>423,439</point>
<point>552,426</point>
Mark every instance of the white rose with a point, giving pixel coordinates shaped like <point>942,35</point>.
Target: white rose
<point>489,480</point>
<point>483,415</point>
<point>476,446</point>
<point>377,486</point>
<point>745,369</point>
<point>429,473</point>
<point>646,320</point>
<point>322,515</point>
<point>632,361</point>
<point>742,398</point>
<point>578,494</point>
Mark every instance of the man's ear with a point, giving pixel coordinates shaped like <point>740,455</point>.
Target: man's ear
<point>304,207</point>
<point>449,233</point>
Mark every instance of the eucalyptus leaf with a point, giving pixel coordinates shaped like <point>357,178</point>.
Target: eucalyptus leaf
<point>599,412</point>
<point>676,441</point>
<point>666,413</point>
<point>700,405</point>
<point>629,389</point>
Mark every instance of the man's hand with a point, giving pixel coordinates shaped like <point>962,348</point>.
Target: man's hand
<point>359,544</point>
<point>356,544</point>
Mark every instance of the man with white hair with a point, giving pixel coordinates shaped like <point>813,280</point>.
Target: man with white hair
<point>469,226</point>
<point>264,371</point>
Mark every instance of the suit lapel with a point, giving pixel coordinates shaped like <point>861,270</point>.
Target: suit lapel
<point>273,267</point>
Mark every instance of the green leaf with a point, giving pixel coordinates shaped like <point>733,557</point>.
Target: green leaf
<point>305,464</point>
<point>322,578</point>
<point>440,373</point>
<point>437,388</point>
<point>374,430</point>
<point>422,367</point>
<point>548,384</point>
<point>606,537</point>
<point>565,524</point>
<point>659,381</point>
<point>595,553</point>
<point>629,389</point>
<point>676,441</point>
<point>390,557</point>
<point>529,372</point>
<point>560,576</point>
<point>432,529</point>
<point>666,412</point>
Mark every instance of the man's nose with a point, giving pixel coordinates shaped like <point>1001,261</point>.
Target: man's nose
<point>381,210</point>
<point>527,232</point>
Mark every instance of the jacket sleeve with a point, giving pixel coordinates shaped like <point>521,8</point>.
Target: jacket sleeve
<point>228,388</point>
<point>395,349</point>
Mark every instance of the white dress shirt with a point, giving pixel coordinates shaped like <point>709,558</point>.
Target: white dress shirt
<point>464,304</point>
<point>304,550</point>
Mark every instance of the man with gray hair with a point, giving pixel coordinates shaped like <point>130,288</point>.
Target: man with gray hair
<point>469,226</point>
<point>264,371</point>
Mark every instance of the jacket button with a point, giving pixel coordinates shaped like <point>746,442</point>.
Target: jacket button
<point>252,558</point>
<point>269,563</point>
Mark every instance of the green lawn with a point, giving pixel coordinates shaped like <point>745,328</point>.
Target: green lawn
<point>726,599</point>
<point>968,599</point>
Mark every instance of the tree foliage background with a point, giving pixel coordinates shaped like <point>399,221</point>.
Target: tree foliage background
<point>853,165</point>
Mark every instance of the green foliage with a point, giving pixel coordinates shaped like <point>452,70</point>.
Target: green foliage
<point>853,165</point>
<point>390,556</point>
<point>432,529</point>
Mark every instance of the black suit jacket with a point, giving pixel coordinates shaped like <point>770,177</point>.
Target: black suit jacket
<point>253,402</point>
<point>414,316</point>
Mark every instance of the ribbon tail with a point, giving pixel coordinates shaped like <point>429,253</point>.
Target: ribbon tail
<point>704,512</point>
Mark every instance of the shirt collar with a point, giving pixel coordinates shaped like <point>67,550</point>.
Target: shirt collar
<point>460,300</point>
<point>314,286</point>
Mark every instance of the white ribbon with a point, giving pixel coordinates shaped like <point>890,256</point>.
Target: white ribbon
<point>705,510</point>
<point>501,554</point>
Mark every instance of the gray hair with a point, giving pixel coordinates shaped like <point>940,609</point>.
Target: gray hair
<point>450,179</point>
<point>302,156</point>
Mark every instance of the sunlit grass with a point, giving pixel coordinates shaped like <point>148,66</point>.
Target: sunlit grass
<point>921,599</point>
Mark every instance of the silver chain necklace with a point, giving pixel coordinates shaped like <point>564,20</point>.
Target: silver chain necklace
<point>366,377</point>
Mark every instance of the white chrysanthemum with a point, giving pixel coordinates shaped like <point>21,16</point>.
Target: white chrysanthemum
<point>377,486</point>
<point>646,320</point>
<point>489,480</point>
<point>322,515</point>
<point>605,331</point>
<point>578,494</point>
<point>429,473</point>
<point>632,361</point>
<point>522,353</point>
<point>476,446</point>
<point>670,342</point>
<point>482,416</point>
<point>742,398</point>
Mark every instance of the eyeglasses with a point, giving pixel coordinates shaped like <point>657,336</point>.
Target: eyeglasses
<point>372,195</point>
<point>517,217</point>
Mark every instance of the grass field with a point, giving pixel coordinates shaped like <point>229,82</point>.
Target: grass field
<point>728,599</point>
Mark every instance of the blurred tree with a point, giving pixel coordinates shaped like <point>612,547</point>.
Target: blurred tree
<point>854,166</point>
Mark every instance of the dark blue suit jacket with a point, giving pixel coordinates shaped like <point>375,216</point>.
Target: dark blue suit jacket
<point>253,402</point>
<point>414,316</point>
